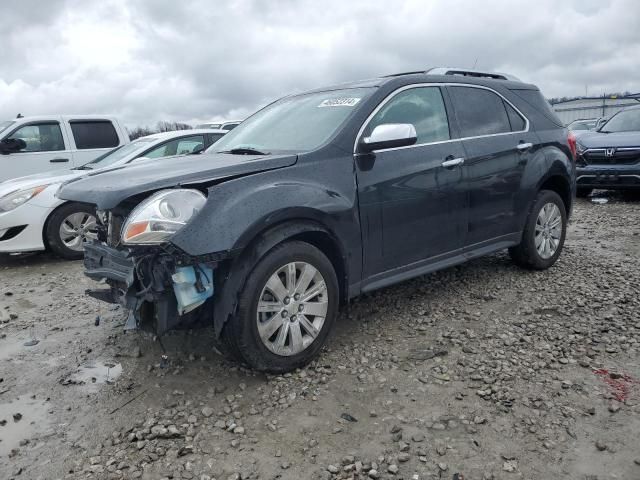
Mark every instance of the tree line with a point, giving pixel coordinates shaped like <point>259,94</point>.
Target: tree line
<point>162,126</point>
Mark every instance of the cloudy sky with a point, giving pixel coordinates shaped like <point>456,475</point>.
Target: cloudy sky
<point>191,60</point>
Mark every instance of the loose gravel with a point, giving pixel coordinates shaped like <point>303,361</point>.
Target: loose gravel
<point>482,371</point>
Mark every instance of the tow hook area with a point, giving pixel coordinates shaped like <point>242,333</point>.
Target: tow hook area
<point>192,286</point>
<point>160,291</point>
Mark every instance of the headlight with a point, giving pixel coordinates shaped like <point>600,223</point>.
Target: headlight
<point>161,215</point>
<point>17,198</point>
<point>580,148</point>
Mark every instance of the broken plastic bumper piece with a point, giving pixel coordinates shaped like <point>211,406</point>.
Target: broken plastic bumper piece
<point>158,289</point>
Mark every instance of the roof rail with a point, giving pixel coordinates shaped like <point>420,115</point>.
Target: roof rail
<point>466,72</point>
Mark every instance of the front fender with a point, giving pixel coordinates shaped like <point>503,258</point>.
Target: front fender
<point>237,210</point>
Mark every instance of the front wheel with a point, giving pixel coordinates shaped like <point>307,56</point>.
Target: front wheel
<point>286,309</point>
<point>68,228</point>
<point>544,233</point>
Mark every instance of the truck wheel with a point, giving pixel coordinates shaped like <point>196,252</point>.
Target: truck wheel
<point>286,308</point>
<point>544,233</point>
<point>68,228</point>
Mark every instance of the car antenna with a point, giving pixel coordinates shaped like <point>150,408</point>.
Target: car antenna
<point>19,116</point>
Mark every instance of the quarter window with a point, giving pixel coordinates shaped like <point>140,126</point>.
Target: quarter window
<point>479,111</point>
<point>422,107</point>
<point>515,119</point>
<point>94,134</point>
<point>40,137</point>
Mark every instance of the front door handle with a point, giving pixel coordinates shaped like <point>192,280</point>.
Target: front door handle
<point>453,162</point>
<point>59,160</point>
<point>523,147</point>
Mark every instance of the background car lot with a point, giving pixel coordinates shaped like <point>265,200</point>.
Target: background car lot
<point>481,369</point>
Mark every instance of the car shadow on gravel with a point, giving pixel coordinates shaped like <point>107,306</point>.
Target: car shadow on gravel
<point>32,259</point>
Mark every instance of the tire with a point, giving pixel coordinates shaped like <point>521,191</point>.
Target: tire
<point>527,254</point>
<point>583,192</point>
<point>83,217</point>
<point>242,332</point>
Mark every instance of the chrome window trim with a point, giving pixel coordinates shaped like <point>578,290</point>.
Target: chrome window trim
<point>436,84</point>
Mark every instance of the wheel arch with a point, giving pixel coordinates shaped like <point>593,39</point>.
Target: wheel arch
<point>45,224</point>
<point>234,272</point>
<point>559,184</point>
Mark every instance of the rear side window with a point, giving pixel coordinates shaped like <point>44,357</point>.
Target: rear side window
<point>517,122</point>
<point>422,107</point>
<point>40,137</point>
<point>479,111</point>
<point>94,134</point>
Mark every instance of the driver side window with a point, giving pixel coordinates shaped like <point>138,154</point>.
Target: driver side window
<point>179,146</point>
<point>40,137</point>
<point>423,107</point>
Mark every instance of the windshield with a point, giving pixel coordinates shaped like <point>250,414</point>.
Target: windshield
<point>293,124</point>
<point>119,153</point>
<point>6,124</point>
<point>624,121</point>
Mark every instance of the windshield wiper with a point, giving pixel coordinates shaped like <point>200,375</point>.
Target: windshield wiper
<point>83,167</point>
<point>244,151</point>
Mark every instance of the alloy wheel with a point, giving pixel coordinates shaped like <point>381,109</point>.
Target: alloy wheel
<point>548,230</point>
<point>76,229</point>
<point>292,308</point>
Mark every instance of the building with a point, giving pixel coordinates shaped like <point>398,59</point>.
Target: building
<point>593,107</point>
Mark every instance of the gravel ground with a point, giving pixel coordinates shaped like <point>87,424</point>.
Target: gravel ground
<point>483,371</point>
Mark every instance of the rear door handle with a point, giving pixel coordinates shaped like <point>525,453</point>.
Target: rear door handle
<point>59,160</point>
<point>523,147</point>
<point>453,162</point>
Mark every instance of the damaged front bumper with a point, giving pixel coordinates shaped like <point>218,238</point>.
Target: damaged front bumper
<point>160,290</point>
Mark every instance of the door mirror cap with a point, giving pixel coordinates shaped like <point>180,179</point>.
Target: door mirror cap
<point>12,145</point>
<point>389,135</point>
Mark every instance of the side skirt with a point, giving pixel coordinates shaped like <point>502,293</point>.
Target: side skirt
<point>440,262</point>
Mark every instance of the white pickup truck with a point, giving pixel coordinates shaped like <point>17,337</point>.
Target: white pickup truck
<point>31,145</point>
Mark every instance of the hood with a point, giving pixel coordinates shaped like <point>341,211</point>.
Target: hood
<point>590,139</point>
<point>30,181</point>
<point>108,187</point>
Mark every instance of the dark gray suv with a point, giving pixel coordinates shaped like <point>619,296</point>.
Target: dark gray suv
<point>324,195</point>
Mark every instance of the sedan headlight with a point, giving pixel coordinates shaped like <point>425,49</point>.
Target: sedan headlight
<point>161,215</point>
<point>17,198</point>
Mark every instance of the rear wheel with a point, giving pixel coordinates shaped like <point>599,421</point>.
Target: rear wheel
<point>544,233</point>
<point>286,309</point>
<point>68,228</point>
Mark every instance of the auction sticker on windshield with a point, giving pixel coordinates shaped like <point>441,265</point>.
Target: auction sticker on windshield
<point>339,102</point>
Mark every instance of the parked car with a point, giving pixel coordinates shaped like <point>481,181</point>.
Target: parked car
<point>583,124</point>
<point>39,144</point>
<point>227,125</point>
<point>609,158</point>
<point>324,195</point>
<point>32,217</point>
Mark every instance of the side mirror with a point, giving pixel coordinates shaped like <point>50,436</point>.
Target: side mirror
<point>389,135</point>
<point>12,145</point>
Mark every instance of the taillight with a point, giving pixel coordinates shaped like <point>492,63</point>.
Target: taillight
<point>571,140</point>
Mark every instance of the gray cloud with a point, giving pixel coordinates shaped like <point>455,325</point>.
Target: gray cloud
<point>188,61</point>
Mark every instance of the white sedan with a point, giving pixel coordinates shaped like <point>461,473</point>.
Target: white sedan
<point>32,218</point>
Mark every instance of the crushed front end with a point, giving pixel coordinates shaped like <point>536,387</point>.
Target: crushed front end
<point>160,286</point>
